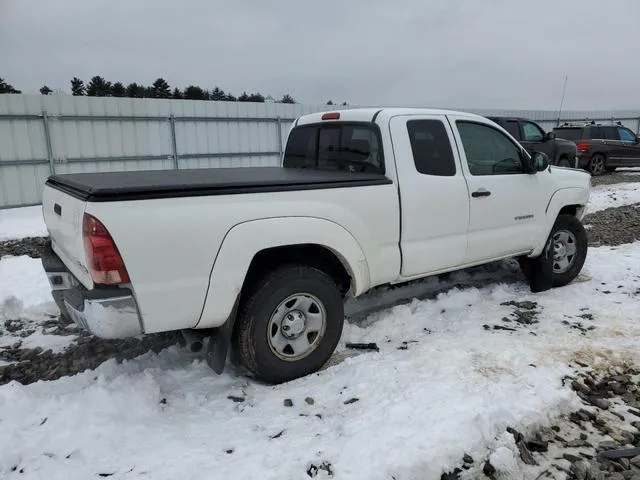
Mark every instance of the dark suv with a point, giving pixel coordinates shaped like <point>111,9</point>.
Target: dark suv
<point>602,148</point>
<point>532,137</point>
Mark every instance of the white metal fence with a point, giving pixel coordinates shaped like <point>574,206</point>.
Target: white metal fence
<point>41,135</point>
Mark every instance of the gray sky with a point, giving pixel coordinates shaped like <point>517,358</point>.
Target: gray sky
<point>448,53</point>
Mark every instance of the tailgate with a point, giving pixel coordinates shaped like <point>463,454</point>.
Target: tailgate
<point>63,216</point>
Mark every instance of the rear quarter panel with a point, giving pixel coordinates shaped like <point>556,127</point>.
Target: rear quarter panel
<point>169,245</point>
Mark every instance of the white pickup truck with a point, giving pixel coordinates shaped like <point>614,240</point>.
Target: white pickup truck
<point>261,259</point>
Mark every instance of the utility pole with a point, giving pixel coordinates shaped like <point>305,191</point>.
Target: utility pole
<point>564,89</point>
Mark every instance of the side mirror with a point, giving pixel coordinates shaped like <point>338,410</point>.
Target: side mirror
<point>549,136</point>
<point>538,162</point>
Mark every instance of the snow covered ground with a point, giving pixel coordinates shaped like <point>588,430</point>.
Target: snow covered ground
<point>452,388</point>
<point>614,195</point>
<point>445,382</point>
<point>22,222</point>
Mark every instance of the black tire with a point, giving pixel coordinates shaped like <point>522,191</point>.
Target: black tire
<point>597,164</point>
<point>251,345</point>
<point>564,162</point>
<point>570,224</point>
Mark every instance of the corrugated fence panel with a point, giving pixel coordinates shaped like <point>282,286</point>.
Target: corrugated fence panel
<point>88,134</point>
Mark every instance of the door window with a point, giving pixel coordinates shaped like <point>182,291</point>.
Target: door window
<point>488,151</point>
<point>626,135</point>
<point>531,132</point>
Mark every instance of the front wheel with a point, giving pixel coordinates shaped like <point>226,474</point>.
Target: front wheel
<point>289,324</point>
<point>568,243</point>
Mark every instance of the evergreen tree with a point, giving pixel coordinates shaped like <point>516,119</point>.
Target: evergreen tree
<point>177,93</point>
<point>99,87</point>
<point>77,87</point>
<point>244,97</point>
<point>160,89</point>
<point>256,97</point>
<point>287,99</point>
<point>118,90</point>
<point>230,98</point>
<point>45,90</point>
<point>329,102</point>
<point>193,92</point>
<point>218,94</point>
<point>134,90</point>
<point>6,88</point>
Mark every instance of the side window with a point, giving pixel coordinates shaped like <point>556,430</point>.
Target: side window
<point>531,132</point>
<point>513,128</point>
<point>431,148</point>
<point>488,151</point>
<point>595,133</point>
<point>626,135</point>
<point>610,133</point>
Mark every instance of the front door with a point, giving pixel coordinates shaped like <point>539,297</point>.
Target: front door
<point>627,148</point>
<point>533,138</point>
<point>433,193</point>
<point>507,205</point>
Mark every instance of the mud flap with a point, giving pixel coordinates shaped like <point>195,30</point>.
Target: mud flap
<point>541,276</point>
<point>220,340</point>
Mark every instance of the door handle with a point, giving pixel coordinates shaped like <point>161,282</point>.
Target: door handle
<point>481,193</point>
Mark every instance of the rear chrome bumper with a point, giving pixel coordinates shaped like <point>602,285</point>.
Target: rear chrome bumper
<point>105,312</point>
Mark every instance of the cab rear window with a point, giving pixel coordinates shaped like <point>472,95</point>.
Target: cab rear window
<point>568,133</point>
<point>352,147</point>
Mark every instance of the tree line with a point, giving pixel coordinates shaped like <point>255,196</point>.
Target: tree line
<point>99,87</point>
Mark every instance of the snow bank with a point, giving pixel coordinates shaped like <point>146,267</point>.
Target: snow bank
<point>23,278</point>
<point>615,195</point>
<point>22,222</point>
<point>451,389</point>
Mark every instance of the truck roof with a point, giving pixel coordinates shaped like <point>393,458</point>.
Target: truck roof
<point>368,114</point>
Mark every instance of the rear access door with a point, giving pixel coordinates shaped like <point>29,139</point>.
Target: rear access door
<point>433,194</point>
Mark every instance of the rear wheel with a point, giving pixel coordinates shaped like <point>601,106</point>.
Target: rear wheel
<point>289,325</point>
<point>597,164</point>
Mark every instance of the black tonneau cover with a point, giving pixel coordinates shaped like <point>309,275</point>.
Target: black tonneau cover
<point>141,185</point>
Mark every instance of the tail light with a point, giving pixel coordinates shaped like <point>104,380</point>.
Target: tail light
<point>331,116</point>
<point>582,147</point>
<point>103,258</point>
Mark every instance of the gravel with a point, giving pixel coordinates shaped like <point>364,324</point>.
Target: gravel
<point>26,246</point>
<point>591,443</point>
<point>85,353</point>
<point>615,177</point>
<point>613,226</point>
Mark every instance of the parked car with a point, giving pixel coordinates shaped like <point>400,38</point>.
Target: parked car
<point>531,136</point>
<point>261,259</point>
<point>602,148</point>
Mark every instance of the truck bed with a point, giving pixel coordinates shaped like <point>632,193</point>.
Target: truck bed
<point>141,185</point>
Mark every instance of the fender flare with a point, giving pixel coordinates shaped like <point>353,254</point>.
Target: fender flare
<point>560,199</point>
<point>244,240</point>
